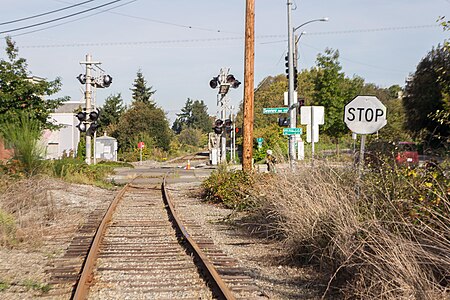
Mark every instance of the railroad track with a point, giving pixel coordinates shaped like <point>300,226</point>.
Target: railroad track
<point>144,250</point>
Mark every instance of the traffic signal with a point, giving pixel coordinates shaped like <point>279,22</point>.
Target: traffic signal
<point>286,58</point>
<point>82,117</point>
<point>301,102</point>
<point>237,130</point>
<point>295,79</point>
<point>283,121</point>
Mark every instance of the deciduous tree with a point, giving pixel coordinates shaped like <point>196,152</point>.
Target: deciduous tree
<point>21,92</point>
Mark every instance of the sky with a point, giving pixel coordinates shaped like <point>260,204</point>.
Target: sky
<point>180,45</point>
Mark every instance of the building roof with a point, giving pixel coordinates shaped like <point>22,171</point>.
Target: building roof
<point>69,107</point>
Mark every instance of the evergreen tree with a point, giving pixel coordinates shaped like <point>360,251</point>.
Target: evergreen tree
<point>21,93</point>
<point>141,92</point>
<point>110,113</point>
<point>193,115</point>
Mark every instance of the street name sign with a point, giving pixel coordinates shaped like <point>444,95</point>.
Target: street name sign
<point>292,131</point>
<point>275,110</point>
<point>365,115</point>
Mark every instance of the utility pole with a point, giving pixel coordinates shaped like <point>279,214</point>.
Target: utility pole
<point>291,100</point>
<point>88,97</point>
<point>249,79</point>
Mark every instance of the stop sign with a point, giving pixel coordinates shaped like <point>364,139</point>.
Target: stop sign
<point>365,115</point>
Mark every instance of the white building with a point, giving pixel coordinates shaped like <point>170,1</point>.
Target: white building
<point>64,140</point>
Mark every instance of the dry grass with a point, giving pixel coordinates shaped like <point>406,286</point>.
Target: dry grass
<point>30,208</point>
<point>322,218</point>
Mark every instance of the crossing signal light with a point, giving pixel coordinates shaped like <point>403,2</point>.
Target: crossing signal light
<point>82,117</point>
<point>82,78</point>
<point>93,116</point>
<point>214,82</point>
<point>107,80</point>
<point>218,125</point>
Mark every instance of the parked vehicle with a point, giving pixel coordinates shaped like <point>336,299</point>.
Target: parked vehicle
<point>407,154</point>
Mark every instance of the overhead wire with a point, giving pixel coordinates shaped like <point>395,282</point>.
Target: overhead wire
<point>166,22</point>
<point>74,20</point>
<point>60,18</point>
<point>46,13</point>
<point>100,44</point>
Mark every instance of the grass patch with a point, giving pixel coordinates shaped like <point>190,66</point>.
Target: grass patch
<point>30,284</point>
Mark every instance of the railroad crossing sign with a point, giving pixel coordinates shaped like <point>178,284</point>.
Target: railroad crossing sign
<point>365,115</point>
<point>292,131</point>
<point>275,110</point>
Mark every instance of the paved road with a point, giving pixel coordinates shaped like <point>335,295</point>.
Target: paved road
<point>155,172</point>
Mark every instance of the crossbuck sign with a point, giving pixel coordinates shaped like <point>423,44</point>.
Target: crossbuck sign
<point>365,115</point>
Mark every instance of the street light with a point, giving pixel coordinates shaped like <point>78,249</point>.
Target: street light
<point>291,100</point>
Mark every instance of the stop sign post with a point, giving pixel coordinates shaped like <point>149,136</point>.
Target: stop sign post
<point>141,145</point>
<point>365,115</point>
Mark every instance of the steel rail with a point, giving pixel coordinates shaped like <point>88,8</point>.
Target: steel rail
<point>82,286</point>
<point>216,282</point>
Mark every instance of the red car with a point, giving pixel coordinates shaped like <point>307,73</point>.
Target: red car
<point>406,154</point>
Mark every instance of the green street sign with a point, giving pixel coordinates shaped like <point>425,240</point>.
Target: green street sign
<point>292,131</point>
<point>275,110</point>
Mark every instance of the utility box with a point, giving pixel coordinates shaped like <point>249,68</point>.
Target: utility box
<point>106,148</point>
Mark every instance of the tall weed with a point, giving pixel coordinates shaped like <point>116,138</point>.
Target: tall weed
<point>367,236</point>
<point>22,134</point>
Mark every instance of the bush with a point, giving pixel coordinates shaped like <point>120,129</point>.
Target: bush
<point>228,187</point>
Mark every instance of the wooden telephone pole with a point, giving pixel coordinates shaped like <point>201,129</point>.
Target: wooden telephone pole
<point>249,79</point>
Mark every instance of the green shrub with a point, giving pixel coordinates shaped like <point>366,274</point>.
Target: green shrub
<point>77,171</point>
<point>229,187</point>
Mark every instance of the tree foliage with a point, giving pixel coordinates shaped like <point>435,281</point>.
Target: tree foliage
<point>333,91</point>
<point>110,113</point>
<point>426,93</point>
<point>143,120</point>
<point>19,92</point>
<point>141,92</point>
<point>194,115</point>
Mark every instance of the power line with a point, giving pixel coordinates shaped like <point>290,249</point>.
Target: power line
<point>168,23</point>
<point>60,18</point>
<point>74,20</point>
<point>179,41</point>
<point>46,13</point>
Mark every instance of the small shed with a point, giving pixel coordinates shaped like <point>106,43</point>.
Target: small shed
<point>106,148</point>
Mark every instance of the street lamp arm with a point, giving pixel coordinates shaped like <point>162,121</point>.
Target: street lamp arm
<point>310,21</point>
